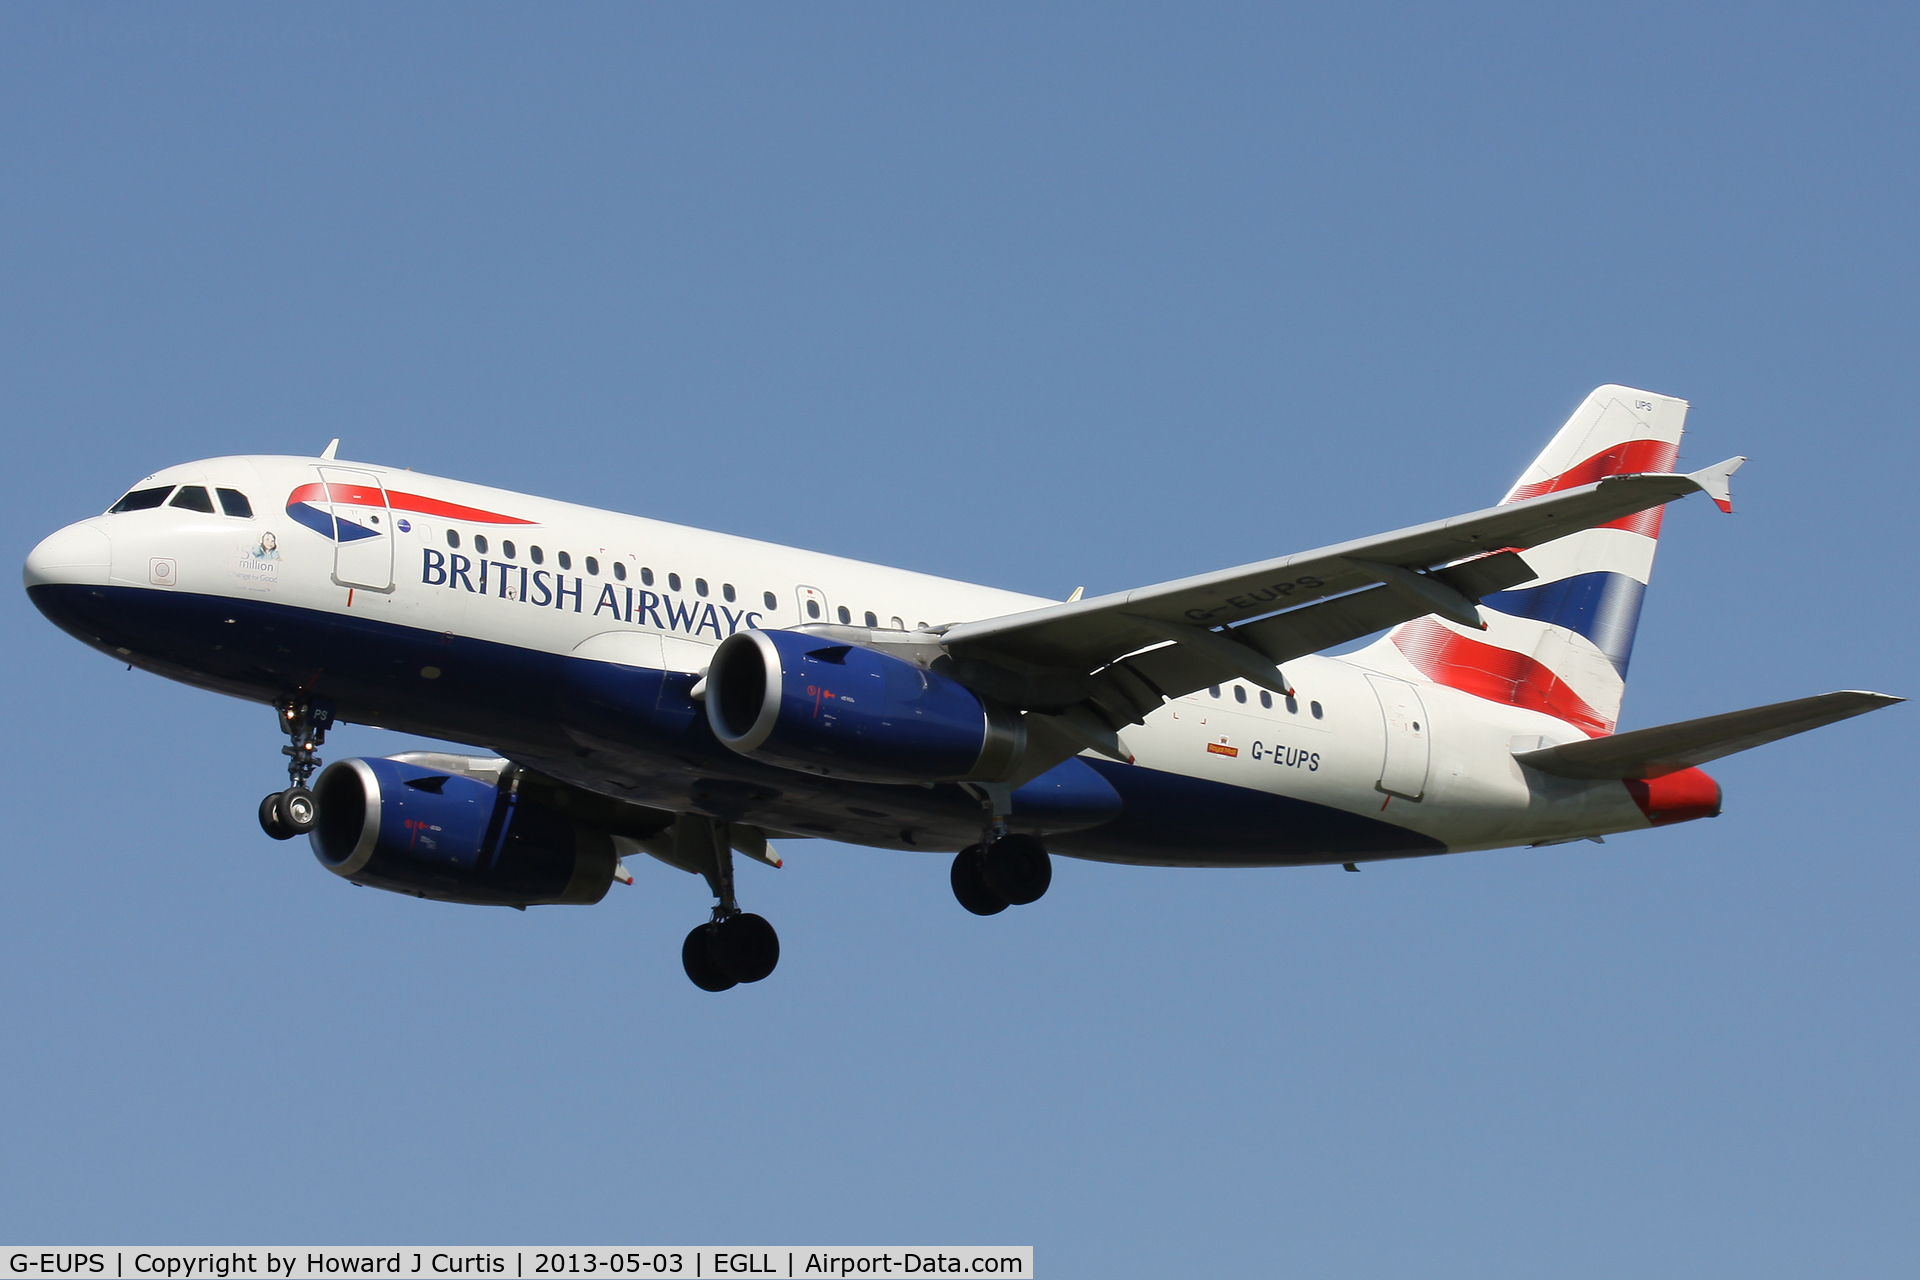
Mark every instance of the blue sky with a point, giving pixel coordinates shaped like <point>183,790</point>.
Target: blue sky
<point>1042,296</point>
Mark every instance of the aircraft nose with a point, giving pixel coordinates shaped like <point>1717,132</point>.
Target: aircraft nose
<point>78,553</point>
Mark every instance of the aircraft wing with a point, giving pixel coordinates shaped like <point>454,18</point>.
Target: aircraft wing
<point>1394,574</point>
<point>1669,748</point>
<point>1118,656</point>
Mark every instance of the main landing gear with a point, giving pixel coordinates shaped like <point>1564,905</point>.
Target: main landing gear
<point>735,946</point>
<point>290,813</point>
<point>1005,869</point>
<point>1001,871</point>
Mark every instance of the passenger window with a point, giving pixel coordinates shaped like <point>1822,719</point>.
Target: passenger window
<point>673,582</point>
<point>921,625</point>
<point>480,543</point>
<point>846,615</point>
<point>1293,708</point>
<point>1266,700</point>
<point>898,625</point>
<point>871,620</point>
<point>726,589</point>
<point>506,549</point>
<point>1214,690</point>
<point>646,576</point>
<point>772,601</point>
<point>193,497</point>
<point>1317,713</point>
<point>700,586</point>
<point>538,556</point>
<point>813,608</point>
<point>1239,693</point>
<point>566,561</point>
<point>453,538</point>
<point>593,567</point>
<point>619,571</point>
<point>235,503</point>
<point>141,500</point>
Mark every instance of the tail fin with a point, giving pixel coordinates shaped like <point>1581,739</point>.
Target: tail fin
<point>1561,644</point>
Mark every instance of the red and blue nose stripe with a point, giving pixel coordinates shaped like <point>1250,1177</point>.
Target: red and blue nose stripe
<point>314,506</point>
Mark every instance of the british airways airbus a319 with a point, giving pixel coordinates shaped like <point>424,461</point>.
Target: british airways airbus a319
<point>648,687</point>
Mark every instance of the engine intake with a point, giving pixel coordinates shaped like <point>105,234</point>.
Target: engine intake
<point>808,702</point>
<point>428,833</point>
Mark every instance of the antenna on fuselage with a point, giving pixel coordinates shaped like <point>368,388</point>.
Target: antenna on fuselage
<point>326,454</point>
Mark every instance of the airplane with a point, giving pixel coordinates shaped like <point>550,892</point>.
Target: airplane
<point>641,686</point>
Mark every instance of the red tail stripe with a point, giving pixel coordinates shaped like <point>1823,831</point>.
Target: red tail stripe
<point>369,496</point>
<point>1628,458</point>
<point>1498,675</point>
<point>1642,522</point>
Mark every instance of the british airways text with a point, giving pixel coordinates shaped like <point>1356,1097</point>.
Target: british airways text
<point>546,588</point>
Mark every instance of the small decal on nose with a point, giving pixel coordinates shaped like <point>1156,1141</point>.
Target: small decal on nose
<point>162,572</point>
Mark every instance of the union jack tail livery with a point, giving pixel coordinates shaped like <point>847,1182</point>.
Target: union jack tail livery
<point>1560,644</point>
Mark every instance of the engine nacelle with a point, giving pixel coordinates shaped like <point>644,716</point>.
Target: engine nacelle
<point>429,833</point>
<point>808,702</point>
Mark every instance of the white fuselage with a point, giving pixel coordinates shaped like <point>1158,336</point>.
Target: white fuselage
<point>1365,738</point>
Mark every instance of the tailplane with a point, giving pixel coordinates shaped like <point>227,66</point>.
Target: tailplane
<point>1561,643</point>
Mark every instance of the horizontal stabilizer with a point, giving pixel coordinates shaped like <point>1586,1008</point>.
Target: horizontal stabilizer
<point>1669,748</point>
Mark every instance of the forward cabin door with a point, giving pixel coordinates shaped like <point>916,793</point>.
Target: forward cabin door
<point>362,529</point>
<point>1403,764</point>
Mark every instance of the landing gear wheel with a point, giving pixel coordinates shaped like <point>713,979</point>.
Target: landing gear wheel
<point>745,947</point>
<point>271,820</point>
<point>696,955</point>
<point>1017,868</point>
<point>298,810</point>
<point>970,887</point>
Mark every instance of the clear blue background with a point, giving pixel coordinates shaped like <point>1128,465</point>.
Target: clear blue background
<point>1041,296</point>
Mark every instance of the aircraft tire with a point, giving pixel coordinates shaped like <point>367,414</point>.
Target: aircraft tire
<point>1017,868</point>
<point>298,810</point>
<point>745,947</point>
<point>970,886</point>
<point>696,956</point>
<point>271,821</point>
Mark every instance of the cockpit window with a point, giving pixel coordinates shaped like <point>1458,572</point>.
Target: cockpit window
<point>235,503</point>
<point>193,497</point>
<point>141,500</point>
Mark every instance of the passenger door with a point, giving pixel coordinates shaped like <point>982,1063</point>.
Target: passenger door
<point>362,529</point>
<point>1403,764</point>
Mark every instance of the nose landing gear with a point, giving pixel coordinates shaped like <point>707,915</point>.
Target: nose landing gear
<point>290,813</point>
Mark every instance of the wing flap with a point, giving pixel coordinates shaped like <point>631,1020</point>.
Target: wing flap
<point>1669,748</point>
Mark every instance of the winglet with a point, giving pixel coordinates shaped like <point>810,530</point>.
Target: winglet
<point>326,454</point>
<point>1714,482</point>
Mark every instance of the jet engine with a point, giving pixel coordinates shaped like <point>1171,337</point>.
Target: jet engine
<point>808,702</point>
<point>438,833</point>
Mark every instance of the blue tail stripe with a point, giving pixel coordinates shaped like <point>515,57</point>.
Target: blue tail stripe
<point>1603,607</point>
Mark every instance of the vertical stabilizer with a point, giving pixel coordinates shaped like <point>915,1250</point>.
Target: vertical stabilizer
<point>1561,644</point>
